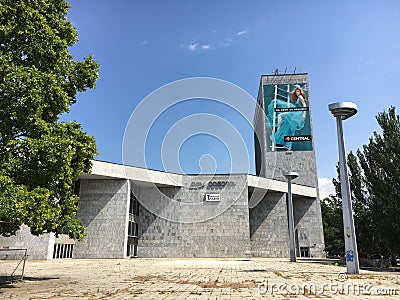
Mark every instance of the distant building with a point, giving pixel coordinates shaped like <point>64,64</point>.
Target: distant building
<point>129,211</point>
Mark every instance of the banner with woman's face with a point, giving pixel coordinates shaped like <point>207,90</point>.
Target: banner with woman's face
<point>287,112</point>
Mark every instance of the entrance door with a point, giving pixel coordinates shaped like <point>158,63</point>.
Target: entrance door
<point>305,251</point>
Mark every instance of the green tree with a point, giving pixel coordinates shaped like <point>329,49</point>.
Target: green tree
<point>333,226</point>
<point>40,157</point>
<point>380,162</point>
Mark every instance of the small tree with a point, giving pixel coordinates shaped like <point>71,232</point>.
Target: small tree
<point>40,157</point>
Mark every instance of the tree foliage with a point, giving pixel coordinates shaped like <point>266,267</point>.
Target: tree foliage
<point>333,226</point>
<point>380,162</point>
<point>40,157</point>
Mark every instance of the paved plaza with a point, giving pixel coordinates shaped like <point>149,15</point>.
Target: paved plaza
<point>196,279</point>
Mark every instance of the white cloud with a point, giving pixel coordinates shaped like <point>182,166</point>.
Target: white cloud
<point>228,42</point>
<point>193,47</point>
<point>326,187</point>
<point>144,43</point>
<point>242,32</point>
<point>196,45</point>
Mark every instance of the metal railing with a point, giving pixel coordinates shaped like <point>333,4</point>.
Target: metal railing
<point>12,272</point>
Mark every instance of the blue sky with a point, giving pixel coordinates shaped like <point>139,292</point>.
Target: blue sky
<point>351,50</point>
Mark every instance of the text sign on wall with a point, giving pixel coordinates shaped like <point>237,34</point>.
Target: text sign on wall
<point>213,197</point>
<point>211,185</point>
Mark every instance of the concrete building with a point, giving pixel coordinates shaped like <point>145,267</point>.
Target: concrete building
<point>129,211</point>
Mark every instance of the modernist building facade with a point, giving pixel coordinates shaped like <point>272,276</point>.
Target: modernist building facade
<point>134,212</point>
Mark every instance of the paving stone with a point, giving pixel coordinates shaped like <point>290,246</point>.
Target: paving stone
<point>188,279</point>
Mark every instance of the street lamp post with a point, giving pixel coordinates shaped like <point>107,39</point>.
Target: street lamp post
<point>290,176</point>
<point>343,111</point>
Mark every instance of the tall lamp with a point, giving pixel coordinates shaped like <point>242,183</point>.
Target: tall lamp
<point>290,176</point>
<point>342,111</point>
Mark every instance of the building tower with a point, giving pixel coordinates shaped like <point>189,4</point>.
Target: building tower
<point>284,142</point>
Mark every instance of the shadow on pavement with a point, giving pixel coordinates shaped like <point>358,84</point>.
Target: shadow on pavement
<point>7,282</point>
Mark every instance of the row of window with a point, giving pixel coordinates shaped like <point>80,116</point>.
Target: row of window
<point>133,227</point>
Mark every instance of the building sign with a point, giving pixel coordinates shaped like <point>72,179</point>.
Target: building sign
<point>288,117</point>
<point>297,138</point>
<point>213,197</point>
<point>195,185</point>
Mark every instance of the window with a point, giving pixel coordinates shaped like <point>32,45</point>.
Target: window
<point>132,250</point>
<point>133,205</point>
<point>132,229</point>
<point>76,187</point>
<point>63,250</point>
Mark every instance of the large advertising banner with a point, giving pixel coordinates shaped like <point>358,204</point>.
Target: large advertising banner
<point>288,117</point>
